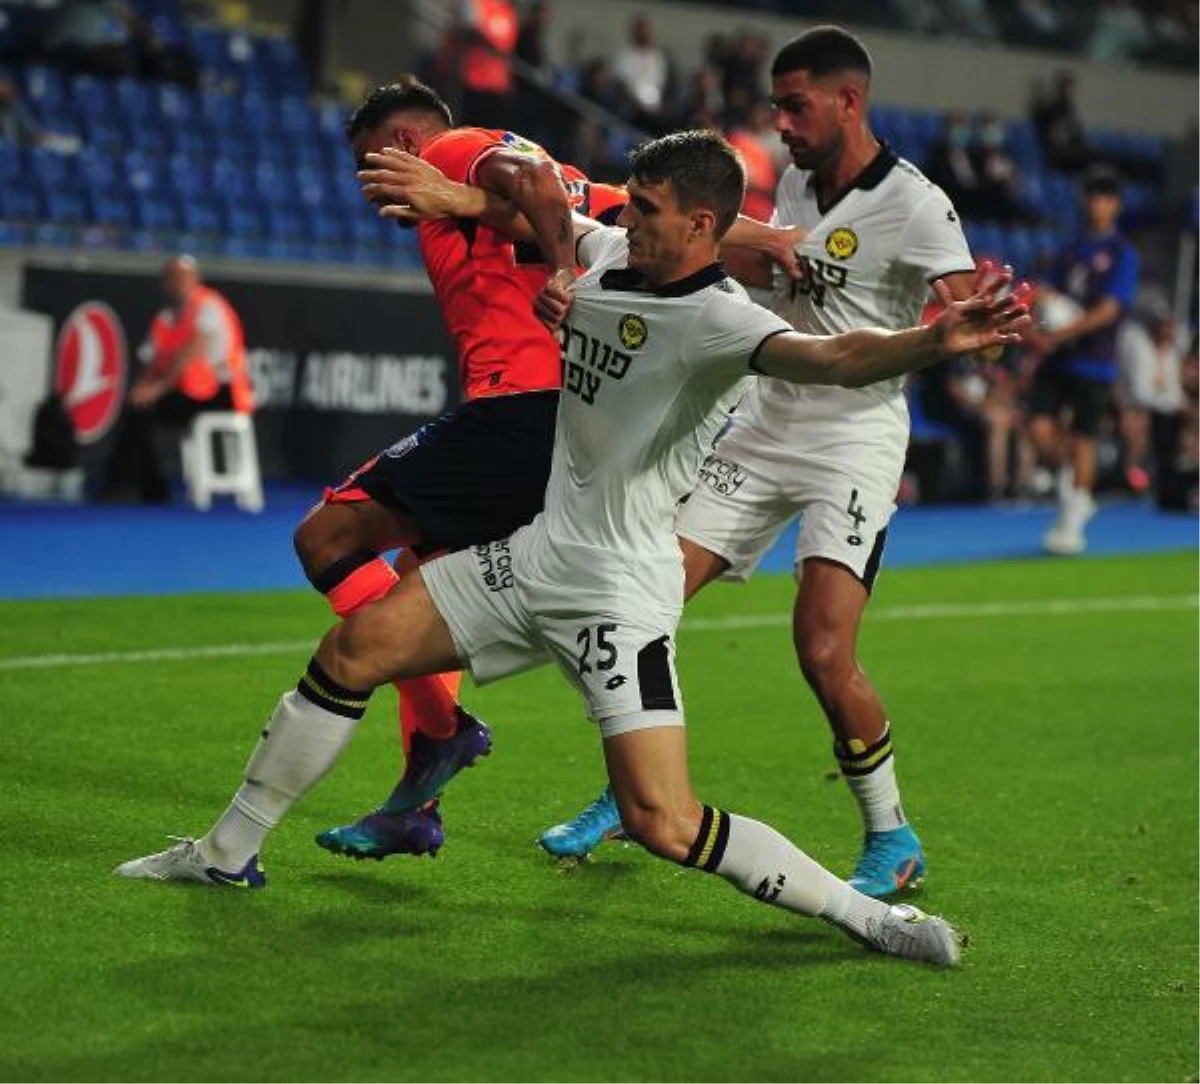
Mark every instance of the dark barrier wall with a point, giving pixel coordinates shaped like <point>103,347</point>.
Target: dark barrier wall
<point>339,372</point>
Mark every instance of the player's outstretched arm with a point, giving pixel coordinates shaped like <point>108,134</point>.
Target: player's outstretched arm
<point>985,319</point>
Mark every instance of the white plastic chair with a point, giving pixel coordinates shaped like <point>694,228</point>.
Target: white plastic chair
<point>239,475</point>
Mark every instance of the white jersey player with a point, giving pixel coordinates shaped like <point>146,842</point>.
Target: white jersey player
<point>657,343</point>
<point>878,234</point>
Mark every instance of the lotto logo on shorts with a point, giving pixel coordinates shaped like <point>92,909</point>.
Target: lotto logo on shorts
<point>720,475</point>
<point>495,565</point>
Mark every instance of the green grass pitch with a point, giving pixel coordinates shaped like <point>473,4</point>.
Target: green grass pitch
<point>1048,759</point>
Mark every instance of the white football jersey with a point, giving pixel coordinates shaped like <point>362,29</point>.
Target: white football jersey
<point>868,261</point>
<point>649,376</point>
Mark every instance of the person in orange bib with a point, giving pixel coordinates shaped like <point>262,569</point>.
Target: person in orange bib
<point>195,358</point>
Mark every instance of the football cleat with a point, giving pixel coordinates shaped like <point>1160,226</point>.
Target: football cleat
<point>186,862</point>
<point>891,862</point>
<point>379,834</point>
<point>433,762</point>
<point>911,934</point>
<point>577,838</point>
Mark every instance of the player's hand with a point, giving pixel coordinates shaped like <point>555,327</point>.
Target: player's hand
<point>554,300</point>
<point>785,241</point>
<point>991,316</point>
<point>146,393</point>
<point>987,273</point>
<point>408,188</point>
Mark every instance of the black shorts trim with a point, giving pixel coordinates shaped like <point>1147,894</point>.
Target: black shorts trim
<point>472,475</point>
<point>654,677</point>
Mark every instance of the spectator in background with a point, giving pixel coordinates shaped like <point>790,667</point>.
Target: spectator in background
<point>643,69</point>
<point>1055,115</point>
<point>95,37</point>
<point>1098,272</point>
<point>952,167</point>
<point>998,177</point>
<point>16,121</point>
<point>476,55</point>
<point>195,361</point>
<point>762,173</point>
<point>1150,352</point>
<point>742,81</point>
<point>531,37</point>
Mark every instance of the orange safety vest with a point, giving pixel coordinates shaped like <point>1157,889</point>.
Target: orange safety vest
<point>488,70</point>
<point>203,377</point>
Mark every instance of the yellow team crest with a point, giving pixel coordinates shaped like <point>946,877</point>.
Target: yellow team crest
<point>842,243</point>
<point>633,332</point>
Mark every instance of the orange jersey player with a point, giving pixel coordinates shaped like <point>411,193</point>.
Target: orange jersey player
<point>476,473</point>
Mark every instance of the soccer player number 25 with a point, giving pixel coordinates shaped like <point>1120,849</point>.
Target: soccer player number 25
<point>605,653</point>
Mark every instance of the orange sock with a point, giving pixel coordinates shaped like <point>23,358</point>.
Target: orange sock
<point>427,704</point>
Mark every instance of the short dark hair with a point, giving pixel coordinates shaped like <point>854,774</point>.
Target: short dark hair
<point>407,95</point>
<point>1101,180</point>
<point>702,168</point>
<point>822,51</point>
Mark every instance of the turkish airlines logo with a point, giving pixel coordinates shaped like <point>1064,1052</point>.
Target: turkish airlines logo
<point>89,369</point>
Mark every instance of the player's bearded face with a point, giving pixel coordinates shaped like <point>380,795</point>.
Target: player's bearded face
<point>806,118</point>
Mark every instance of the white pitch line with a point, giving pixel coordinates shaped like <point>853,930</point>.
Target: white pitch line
<point>926,612</point>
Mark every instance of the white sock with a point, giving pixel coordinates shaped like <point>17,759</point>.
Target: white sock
<point>850,910</point>
<point>760,862</point>
<point>301,743</point>
<point>870,773</point>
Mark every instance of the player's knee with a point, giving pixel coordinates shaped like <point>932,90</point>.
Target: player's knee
<point>822,654</point>
<point>317,546</point>
<point>348,656</point>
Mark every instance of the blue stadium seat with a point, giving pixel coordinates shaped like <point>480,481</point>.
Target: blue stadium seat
<point>190,175</point>
<point>244,220</point>
<point>260,114</point>
<point>92,96</point>
<point>105,134</point>
<point>234,180</point>
<point>44,88</point>
<point>243,247</point>
<point>50,168</point>
<point>178,104</point>
<point>136,100</point>
<point>283,225</point>
<point>14,233</point>
<point>191,141</point>
<point>19,204</point>
<point>54,235</point>
<point>202,217</point>
<point>985,239</point>
<point>156,213</point>
<point>13,163</point>
<point>296,118</point>
<point>1020,249</point>
<point>65,208</point>
<point>111,210</point>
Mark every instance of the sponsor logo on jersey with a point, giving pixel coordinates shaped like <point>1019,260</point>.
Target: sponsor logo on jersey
<point>842,243</point>
<point>90,364</point>
<point>522,145</point>
<point>633,332</point>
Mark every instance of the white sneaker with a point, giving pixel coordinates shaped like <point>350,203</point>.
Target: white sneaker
<point>186,862</point>
<point>911,934</point>
<point>1066,537</point>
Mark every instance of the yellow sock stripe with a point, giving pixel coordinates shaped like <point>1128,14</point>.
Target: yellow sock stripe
<point>324,694</point>
<point>865,762</point>
<point>710,841</point>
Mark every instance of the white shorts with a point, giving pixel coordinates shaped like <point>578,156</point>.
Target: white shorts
<point>620,657</point>
<point>747,492</point>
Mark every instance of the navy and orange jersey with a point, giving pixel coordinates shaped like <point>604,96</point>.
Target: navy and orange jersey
<point>484,283</point>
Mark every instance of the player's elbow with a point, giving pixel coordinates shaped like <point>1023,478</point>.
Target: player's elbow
<point>537,182</point>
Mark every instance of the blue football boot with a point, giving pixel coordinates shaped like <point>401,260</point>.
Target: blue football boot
<point>379,834</point>
<point>577,838</point>
<point>891,862</point>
